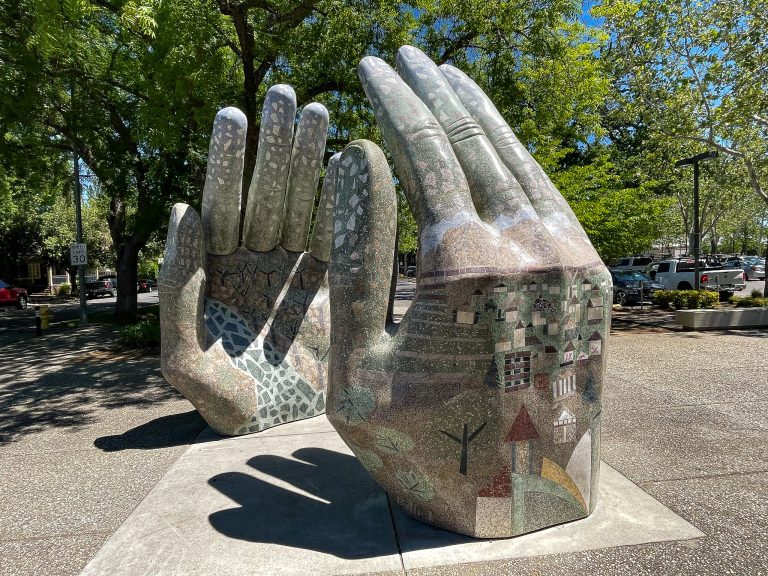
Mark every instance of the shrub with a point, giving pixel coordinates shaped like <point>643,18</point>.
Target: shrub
<point>64,289</point>
<point>756,294</point>
<point>144,334</point>
<point>662,297</point>
<point>686,299</point>
<point>751,302</point>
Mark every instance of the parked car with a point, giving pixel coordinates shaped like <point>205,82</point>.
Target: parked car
<point>146,285</point>
<point>753,266</point>
<point>627,287</point>
<point>104,286</point>
<point>679,275</point>
<point>632,263</point>
<point>13,296</point>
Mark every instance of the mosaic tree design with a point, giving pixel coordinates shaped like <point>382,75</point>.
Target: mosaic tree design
<point>245,321</point>
<point>495,373</point>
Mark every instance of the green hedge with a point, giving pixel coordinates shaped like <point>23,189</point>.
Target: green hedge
<point>687,299</point>
<point>751,302</point>
<point>64,289</point>
<point>144,334</point>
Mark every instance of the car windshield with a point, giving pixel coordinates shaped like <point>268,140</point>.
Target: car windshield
<point>632,276</point>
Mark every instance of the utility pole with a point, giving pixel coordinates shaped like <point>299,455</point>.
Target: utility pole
<point>694,161</point>
<point>79,222</point>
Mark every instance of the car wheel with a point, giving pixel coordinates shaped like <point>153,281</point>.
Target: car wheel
<point>620,297</point>
<point>684,286</point>
<point>21,303</point>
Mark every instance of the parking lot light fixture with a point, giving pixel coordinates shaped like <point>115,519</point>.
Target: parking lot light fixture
<point>694,161</point>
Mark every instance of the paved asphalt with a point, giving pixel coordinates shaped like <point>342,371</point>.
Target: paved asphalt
<point>86,431</point>
<point>18,325</point>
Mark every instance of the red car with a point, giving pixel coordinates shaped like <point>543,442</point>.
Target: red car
<point>15,296</point>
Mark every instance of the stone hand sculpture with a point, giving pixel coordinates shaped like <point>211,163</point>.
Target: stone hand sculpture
<point>245,326</point>
<point>481,412</point>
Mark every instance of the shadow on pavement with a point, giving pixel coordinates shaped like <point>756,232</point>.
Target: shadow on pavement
<point>329,508</point>
<point>162,432</point>
<point>66,381</point>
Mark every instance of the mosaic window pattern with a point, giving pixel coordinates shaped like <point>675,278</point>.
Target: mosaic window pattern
<point>517,371</point>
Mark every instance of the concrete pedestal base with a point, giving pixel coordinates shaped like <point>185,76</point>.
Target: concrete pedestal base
<point>293,500</point>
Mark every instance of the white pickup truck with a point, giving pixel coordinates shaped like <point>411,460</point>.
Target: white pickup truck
<point>679,275</point>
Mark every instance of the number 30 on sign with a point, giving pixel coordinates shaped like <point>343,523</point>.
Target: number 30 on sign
<point>78,255</point>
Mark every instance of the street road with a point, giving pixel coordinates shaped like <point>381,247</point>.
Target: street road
<point>17,325</point>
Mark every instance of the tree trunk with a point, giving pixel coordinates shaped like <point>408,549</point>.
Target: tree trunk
<point>127,262</point>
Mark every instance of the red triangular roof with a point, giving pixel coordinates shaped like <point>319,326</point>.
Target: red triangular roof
<point>500,485</point>
<point>522,428</point>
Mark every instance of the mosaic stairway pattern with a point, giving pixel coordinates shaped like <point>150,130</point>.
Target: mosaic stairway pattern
<point>284,396</point>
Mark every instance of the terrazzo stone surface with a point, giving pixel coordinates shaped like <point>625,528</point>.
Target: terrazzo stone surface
<point>480,412</point>
<point>245,321</point>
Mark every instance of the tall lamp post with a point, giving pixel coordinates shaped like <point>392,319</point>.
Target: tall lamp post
<point>694,161</point>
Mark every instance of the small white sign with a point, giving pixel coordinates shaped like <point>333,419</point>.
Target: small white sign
<point>78,254</point>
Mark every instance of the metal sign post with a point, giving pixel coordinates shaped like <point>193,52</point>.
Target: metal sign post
<point>78,253</point>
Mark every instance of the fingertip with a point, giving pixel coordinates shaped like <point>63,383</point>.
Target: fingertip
<point>316,111</point>
<point>410,56</point>
<point>282,91</point>
<point>184,251</point>
<point>371,66</point>
<point>231,116</point>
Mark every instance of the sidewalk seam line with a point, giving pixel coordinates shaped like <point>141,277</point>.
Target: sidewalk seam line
<point>704,477</point>
<point>394,530</point>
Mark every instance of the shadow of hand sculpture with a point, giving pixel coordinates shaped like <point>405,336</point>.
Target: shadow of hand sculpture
<point>163,432</point>
<point>245,321</point>
<point>342,513</point>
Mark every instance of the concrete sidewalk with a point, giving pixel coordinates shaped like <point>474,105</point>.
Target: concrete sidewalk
<point>86,434</point>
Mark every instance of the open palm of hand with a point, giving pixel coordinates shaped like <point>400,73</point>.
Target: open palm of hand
<point>245,325</point>
<point>480,412</point>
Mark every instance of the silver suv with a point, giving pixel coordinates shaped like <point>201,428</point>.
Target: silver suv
<point>632,263</point>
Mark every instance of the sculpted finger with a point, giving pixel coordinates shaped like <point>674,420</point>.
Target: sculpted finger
<point>181,287</point>
<point>306,161</point>
<point>320,245</point>
<point>266,194</point>
<point>549,204</point>
<point>365,223</point>
<point>498,197</point>
<point>223,181</point>
<point>426,165</point>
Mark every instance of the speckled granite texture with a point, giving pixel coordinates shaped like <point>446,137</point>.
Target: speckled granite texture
<point>481,412</point>
<point>245,321</point>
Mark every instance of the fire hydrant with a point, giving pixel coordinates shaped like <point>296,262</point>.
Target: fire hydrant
<point>43,316</point>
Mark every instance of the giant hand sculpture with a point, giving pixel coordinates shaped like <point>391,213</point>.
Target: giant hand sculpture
<point>245,328</point>
<point>481,413</point>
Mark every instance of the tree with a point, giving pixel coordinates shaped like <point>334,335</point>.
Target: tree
<point>619,216</point>
<point>695,71</point>
<point>131,87</point>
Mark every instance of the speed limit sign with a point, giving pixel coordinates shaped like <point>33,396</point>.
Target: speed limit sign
<point>78,254</point>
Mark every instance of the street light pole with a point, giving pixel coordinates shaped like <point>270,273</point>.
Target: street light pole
<point>694,161</point>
